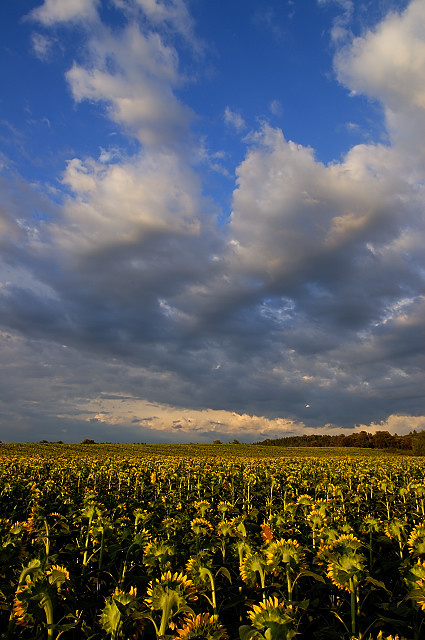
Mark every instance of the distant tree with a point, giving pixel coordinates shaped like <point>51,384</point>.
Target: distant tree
<point>87,441</point>
<point>383,440</point>
<point>217,442</point>
<point>418,444</point>
<point>235,441</point>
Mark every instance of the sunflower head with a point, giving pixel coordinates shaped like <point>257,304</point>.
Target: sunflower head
<point>20,607</point>
<point>57,576</point>
<point>201,627</point>
<point>346,570</point>
<point>370,524</point>
<point>271,610</point>
<point>196,568</point>
<point>317,519</point>
<point>345,543</point>
<point>158,553</point>
<point>304,500</point>
<point>176,583</point>
<point>284,552</point>
<point>224,506</point>
<point>225,528</point>
<point>395,529</point>
<point>272,618</point>
<point>202,507</point>
<point>416,541</point>
<point>201,527</point>
<point>252,565</point>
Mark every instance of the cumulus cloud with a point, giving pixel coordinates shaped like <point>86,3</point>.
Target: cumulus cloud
<point>387,65</point>
<point>61,11</point>
<point>134,74</point>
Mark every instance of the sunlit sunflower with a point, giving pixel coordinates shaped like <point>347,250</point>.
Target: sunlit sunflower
<point>158,553</point>
<point>395,529</point>
<point>305,500</point>
<point>269,613</point>
<point>196,569</point>
<point>346,570</point>
<point>317,519</point>
<point>416,541</point>
<point>201,527</point>
<point>168,581</point>
<point>20,607</point>
<point>225,528</point>
<point>224,506</point>
<point>201,627</point>
<point>346,543</point>
<point>253,566</point>
<point>58,569</point>
<point>415,580</point>
<point>284,552</point>
<point>202,506</point>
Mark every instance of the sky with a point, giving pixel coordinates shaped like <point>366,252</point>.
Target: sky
<point>211,219</point>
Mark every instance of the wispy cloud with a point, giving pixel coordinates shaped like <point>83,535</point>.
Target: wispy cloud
<point>234,119</point>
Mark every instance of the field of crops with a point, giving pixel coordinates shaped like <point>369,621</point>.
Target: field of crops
<point>211,542</point>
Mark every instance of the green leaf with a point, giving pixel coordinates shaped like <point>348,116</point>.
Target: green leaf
<point>249,633</point>
<point>311,574</point>
<point>225,573</point>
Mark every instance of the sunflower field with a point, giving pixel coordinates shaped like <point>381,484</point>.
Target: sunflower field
<point>210,542</point>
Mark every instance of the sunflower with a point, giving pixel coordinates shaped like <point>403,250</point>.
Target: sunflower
<point>177,582</point>
<point>201,627</point>
<point>225,528</point>
<point>20,607</point>
<point>395,529</point>
<point>158,553</point>
<point>415,580</point>
<point>271,610</point>
<point>168,599</point>
<point>317,519</point>
<point>196,569</point>
<point>202,506</point>
<point>286,552</point>
<point>345,543</point>
<point>346,570</point>
<point>252,566</point>
<point>416,541</point>
<point>200,526</point>
<point>57,575</point>
<point>224,506</point>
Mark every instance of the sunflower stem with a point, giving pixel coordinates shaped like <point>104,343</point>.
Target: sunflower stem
<point>353,606</point>
<point>289,582</point>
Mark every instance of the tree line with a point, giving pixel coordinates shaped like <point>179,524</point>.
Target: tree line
<point>412,441</point>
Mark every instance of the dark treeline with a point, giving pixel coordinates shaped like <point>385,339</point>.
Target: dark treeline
<point>377,440</point>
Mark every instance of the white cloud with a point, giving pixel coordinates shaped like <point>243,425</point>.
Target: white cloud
<point>234,119</point>
<point>53,11</point>
<point>134,74</point>
<point>42,45</point>
<point>174,13</point>
<point>387,65</point>
<point>276,108</point>
<point>124,202</point>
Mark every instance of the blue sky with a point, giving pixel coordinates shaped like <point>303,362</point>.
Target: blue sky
<point>211,218</point>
